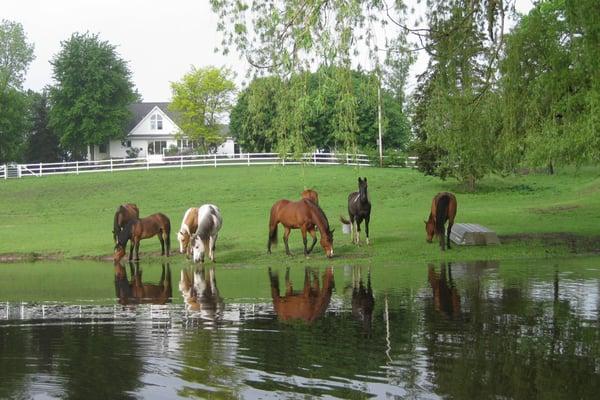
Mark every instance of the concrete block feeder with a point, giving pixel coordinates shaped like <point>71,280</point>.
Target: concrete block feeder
<point>346,229</point>
<point>473,235</point>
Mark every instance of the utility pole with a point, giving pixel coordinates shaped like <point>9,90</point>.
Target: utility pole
<point>380,141</point>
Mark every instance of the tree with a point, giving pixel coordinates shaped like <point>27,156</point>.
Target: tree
<point>15,56</point>
<point>92,91</point>
<point>201,98</point>
<point>43,145</point>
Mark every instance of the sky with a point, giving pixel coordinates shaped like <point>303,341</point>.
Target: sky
<point>161,40</point>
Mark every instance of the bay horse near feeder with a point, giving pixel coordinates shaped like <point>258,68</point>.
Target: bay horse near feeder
<point>124,214</point>
<point>134,291</point>
<point>303,215</point>
<point>144,228</point>
<point>309,304</point>
<point>189,226</point>
<point>204,240</point>
<point>359,209</point>
<point>443,208</point>
<point>311,195</point>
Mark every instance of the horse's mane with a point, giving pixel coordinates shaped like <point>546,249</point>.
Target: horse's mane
<point>319,211</point>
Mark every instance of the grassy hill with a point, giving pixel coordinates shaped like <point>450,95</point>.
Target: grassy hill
<point>71,216</point>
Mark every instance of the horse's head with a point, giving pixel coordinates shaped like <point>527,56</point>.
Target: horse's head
<point>362,187</point>
<point>327,242</point>
<point>430,229</point>
<point>197,249</point>
<point>184,241</point>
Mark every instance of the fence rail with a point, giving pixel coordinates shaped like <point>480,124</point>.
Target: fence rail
<point>159,161</point>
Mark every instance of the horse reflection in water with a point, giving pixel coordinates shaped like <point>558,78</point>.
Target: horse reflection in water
<point>135,291</point>
<point>200,293</point>
<point>363,301</point>
<point>445,295</point>
<point>308,304</point>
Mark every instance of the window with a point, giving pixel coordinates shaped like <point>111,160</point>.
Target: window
<point>126,143</point>
<point>103,148</point>
<point>157,146</point>
<point>186,144</point>
<point>156,122</point>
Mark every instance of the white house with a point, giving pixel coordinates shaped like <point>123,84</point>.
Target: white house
<point>152,130</point>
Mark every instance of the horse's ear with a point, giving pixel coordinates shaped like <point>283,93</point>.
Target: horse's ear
<point>359,180</point>
<point>425,222</point>
<point>365,178</point>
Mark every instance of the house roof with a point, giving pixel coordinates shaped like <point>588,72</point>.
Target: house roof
<point>140,110</point>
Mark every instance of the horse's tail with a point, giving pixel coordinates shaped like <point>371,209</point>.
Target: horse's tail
<point>344,220</point>
<point>272,228</point>
<point>167,232</point>
<point>441,214</point>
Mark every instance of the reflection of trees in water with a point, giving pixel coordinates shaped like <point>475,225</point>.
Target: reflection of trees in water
<point>510,344</point>
<point>92,361</point>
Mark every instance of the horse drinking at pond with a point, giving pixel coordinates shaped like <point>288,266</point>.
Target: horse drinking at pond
<point>205,237</point>
<point>359,209</point>
<point>144,228</point>
<point>303,215</point>
<point>443,208</point>
<point>124,214</point>
<point>311,195</point>
<point>189,226</point>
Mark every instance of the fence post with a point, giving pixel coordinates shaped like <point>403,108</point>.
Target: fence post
<point>181,162</point>
<point>77,167</point>
<point>147,164</point>
<point>215,160</point>
<point>40,171</point>
<point>347,159</point>
<point>315,158</point>
<point>18,170</point>
<point>248,159</point>
<point>5,171</point>
<point>111,167</point>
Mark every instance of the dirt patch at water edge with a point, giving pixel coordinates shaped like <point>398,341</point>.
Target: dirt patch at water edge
<point>574,242</point>
<point>20,257</point>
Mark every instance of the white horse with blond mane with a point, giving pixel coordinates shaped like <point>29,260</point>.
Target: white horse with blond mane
<point>204,239</point>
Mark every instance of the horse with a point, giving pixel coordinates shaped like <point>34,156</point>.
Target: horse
<point>200,292</point>
<point>359,209</point>
<point>443,208</point>
<point>363,301</point>
<point>446,298</point>
<point>207,232</point>
<point>137,292</point>
<point>309,304</point>
<point>303,215</point>
<point>189,225</point>
<point>124,214</point>
<point>144,228</point>
<point>310,195</point>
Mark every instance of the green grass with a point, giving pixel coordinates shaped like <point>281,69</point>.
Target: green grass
<point>72,215</point>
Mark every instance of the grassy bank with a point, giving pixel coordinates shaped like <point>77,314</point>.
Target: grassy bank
<point>71,216</point>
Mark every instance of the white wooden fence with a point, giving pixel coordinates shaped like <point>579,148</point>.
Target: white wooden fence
<point>159,161</point>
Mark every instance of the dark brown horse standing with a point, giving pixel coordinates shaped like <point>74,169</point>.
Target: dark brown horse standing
<point>144,228</point>
<point>124,214</point>
<point>443,208</point>
<point>303,215</point>
<point>359,209</point>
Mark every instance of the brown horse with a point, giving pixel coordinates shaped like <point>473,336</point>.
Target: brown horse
<point>137,292</point>
<point>303,215</point>
<point>445,295</point>
<point>309,304</point>
<point>144,228</point>
<point>363,301</point>
<point>359,209</point>
<point>311,195</point>
<point>124,214</point>
<point>443,208</point>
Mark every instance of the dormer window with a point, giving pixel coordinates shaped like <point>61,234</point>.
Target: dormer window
<point>156,122</point>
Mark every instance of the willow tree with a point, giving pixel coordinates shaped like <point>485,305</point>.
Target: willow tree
<point>292,37</point>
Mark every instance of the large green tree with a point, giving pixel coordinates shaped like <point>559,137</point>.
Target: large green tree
<point>92,91</point>
<point>202,98</point>
<point>15,56</point>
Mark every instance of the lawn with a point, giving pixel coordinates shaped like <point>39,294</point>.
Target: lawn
<point>71,216</point>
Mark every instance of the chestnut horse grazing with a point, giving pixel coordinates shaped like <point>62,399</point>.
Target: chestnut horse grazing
<point>359,209</point>
<point>124,214</point>
<point>189,226</point>
<point>144,228</point>
<point>311,195</point>
<point>309,304</point>
<point>443,208</point>
<point>204,239</point>
<point>303,215</point>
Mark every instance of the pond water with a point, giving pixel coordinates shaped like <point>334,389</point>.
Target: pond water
<point>514,329</point>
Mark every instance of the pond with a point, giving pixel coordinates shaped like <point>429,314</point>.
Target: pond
<point>509,329</point>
